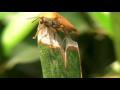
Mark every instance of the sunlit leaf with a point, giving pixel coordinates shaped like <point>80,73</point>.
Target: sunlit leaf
<point>17,29</point>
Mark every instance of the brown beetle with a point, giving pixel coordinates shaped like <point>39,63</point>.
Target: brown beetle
<point>57,22</point>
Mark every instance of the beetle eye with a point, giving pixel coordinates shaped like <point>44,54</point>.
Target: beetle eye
<point>54,23</point>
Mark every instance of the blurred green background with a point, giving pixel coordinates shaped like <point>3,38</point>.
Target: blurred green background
<point>99,44</point>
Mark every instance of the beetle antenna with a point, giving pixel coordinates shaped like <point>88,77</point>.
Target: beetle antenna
<point>33,17</point>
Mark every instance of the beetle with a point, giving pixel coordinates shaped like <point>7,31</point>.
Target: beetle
<point>56,22</point>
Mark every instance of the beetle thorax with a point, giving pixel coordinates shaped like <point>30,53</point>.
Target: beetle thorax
<point>49,21</point>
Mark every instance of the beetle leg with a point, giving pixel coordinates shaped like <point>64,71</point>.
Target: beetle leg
<point>39,28</point>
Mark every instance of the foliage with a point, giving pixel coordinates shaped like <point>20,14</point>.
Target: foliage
<point>20,53</point>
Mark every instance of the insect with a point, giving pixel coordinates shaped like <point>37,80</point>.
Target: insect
<point>53,21</point>
<point>56,22</point>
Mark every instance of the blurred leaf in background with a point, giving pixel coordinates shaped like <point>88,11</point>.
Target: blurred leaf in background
<point>18,48</point>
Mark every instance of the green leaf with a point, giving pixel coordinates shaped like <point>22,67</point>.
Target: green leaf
<point>103,19</point>
<point>23,54</point>
<point>59,59</point>
<point>17,29</point>
<point>4,14</point>
<point>53,63</point>
<point>115,17</point>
